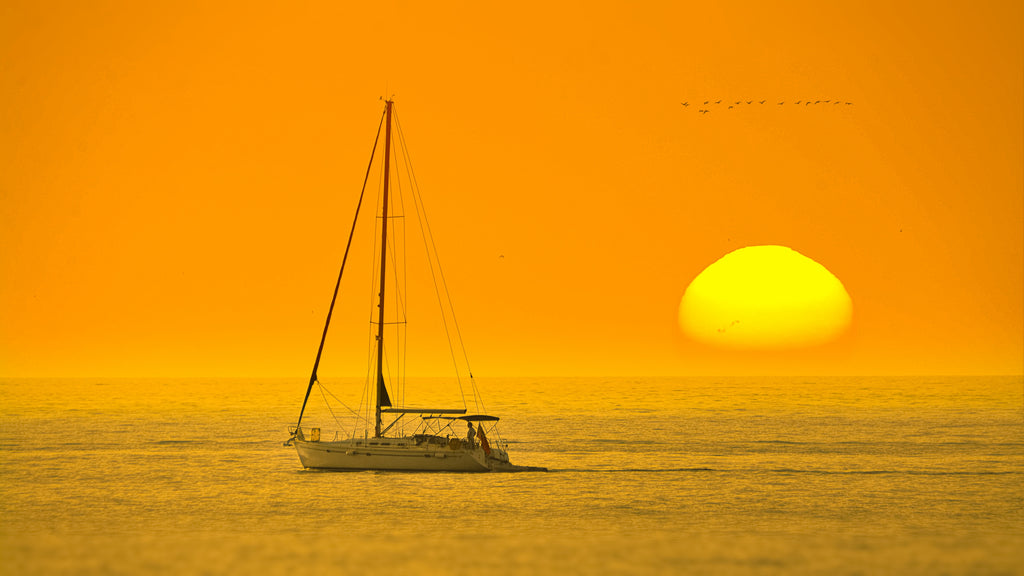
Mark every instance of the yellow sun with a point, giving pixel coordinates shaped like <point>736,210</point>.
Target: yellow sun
<point>765,297</point>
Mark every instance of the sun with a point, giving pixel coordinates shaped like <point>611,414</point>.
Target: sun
<point>765,297</point>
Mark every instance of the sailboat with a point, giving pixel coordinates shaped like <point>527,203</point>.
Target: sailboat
<point>403,438</point>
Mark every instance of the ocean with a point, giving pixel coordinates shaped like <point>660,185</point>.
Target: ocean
<point>920,475</point>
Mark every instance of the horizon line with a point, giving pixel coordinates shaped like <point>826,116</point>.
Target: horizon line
<point>433,376</point>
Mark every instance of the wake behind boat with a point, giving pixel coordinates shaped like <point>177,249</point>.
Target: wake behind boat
<point>438,439</point>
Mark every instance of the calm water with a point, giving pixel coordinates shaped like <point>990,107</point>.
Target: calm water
<point>649,476</point>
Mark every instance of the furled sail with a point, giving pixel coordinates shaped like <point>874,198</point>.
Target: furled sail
<point>382,392</point>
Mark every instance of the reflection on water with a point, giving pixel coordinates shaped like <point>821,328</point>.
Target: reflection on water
<point>738,476</point>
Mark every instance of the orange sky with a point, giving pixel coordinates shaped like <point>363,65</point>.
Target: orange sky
<point>177,181</point>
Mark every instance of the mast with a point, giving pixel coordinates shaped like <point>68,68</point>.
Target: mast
<point>382,391</point>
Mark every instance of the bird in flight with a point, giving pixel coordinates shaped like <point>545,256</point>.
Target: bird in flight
<point>733,323</point>
<point>686,103</point>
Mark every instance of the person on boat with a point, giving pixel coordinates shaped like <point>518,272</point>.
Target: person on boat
<point>471,436</point>
<point>483,440</point>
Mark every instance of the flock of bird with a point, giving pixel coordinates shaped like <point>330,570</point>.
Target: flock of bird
<point>709,103</point>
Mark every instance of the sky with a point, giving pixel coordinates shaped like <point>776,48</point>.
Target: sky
<point>177,179</point>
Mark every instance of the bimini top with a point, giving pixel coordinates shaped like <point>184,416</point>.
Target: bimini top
<point>467,418</point>
<point>424,410</point>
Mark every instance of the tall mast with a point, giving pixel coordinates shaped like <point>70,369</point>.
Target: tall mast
<point>382,391</point>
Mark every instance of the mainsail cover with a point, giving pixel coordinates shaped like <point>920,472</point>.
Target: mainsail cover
<point>382,392</point>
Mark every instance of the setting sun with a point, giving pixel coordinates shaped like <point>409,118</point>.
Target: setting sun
<point>765,297</point>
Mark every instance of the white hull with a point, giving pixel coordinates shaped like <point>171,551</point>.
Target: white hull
<point>397,454</point>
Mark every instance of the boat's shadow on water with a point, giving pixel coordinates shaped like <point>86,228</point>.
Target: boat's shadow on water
<point>403,472</point>
<point>524,470</point>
